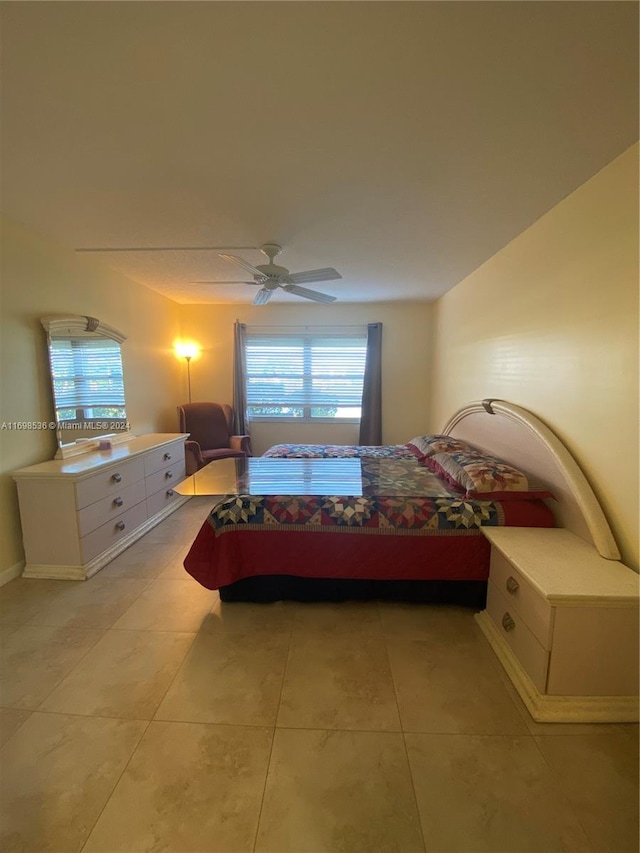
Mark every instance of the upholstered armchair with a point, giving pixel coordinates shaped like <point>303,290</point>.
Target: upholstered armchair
<point>210,426</point>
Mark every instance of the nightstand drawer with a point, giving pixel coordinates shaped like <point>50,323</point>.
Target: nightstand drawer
<point>522,598</point>
<point>533,657</point>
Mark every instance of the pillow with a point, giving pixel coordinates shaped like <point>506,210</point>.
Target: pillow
<point>428,445</point>
<point>484,477</point>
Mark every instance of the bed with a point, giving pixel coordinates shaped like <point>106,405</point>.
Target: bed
<point>323,522</point>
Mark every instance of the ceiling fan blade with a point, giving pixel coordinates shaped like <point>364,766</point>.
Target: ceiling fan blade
<point>326,274</point>
<point>262,296</point>
<point>163,248</point>
<point>257,283</point>
<point>309,294</point>
<point>244,264</point>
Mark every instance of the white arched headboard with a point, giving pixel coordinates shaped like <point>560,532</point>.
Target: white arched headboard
<point>520,438</point>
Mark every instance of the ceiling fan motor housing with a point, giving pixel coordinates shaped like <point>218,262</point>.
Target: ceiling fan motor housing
<point>274,271</point>
<point>271,276</point>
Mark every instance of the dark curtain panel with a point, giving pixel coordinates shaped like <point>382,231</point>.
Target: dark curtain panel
<point>240,422</point>
<point>371,420</point>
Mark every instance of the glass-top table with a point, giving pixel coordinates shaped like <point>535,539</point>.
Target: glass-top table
<point>267,476</point>
<point>260,475</point>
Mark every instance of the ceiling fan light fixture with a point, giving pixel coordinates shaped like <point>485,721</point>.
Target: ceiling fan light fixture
<point>263,296</point>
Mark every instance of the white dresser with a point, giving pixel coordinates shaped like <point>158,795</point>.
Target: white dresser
<point>79,513</point>
<point>564,623</point>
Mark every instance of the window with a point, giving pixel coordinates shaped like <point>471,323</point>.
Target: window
<point>308,375</point>
<point>87,379</point>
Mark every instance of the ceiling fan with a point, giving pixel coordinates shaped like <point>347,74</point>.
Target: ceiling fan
<point>269,277</point>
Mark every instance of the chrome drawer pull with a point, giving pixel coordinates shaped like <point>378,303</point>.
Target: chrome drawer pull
<point>118,501</point>
<point>169,475</point>
<point>507,622</point>
<point>512,585</point>
<point>117,478</point>
<point>167,456</point>
<point>170,493</point>
<point>120,525</point>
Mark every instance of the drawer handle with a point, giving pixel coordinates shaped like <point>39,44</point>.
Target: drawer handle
<point>507,622</point>
<point>167,456</point>
<point>512,585</point>
<point>169,475</point>
<point>117,478</point>
<point>120,525</point>
<point>118,501</point>
<point>170,493</point>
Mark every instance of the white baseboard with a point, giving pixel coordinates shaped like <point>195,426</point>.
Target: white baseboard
<point>10,573</point>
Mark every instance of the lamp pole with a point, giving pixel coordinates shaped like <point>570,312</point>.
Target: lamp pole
<point>188,359</point>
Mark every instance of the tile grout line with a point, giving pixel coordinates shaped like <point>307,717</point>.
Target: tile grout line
<point>561,787</point>
<point>77,664</point>
<point>402,732</point>
<point>117,782</point>
<point>273,734</point>
<point>178,669</point>
<point>147,581</point>
<point>13,734</point>
<point>104,630</point>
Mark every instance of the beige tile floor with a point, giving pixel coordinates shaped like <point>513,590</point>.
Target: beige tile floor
<point>139,713</point>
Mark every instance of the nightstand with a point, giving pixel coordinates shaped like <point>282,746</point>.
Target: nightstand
<point>563,622</point>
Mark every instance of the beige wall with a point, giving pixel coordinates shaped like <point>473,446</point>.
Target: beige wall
<point>40,278</point>
<point>551,323</point>
<point>405,341</point>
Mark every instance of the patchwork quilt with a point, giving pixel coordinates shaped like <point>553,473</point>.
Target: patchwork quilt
<point>396,495</point>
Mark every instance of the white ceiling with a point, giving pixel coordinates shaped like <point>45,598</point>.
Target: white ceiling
<point>403,143</point>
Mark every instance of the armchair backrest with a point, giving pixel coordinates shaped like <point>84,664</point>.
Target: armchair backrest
<point>210,424</point>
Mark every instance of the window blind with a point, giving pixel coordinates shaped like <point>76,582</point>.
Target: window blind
<point>315,371</point>
<point>87,373</point>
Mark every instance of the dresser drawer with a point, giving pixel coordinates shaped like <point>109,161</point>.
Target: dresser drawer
<point>108,481</point>
<point>522,598</point>
<point>115,529</point>
<point>161,499</point>
<point>163,457</point>
<point>98,513</point>
<point>165,479</point>
<point>533,657</point>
